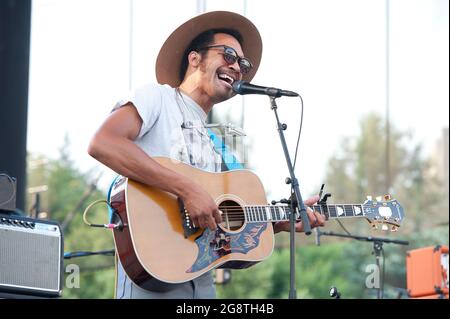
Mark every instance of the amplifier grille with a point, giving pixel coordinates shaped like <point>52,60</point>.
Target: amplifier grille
<point>30,259</point>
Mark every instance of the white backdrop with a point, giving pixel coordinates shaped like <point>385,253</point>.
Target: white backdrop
<point>332,52</point>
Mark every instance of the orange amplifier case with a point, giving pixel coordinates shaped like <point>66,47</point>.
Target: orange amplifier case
<point>427,271</point>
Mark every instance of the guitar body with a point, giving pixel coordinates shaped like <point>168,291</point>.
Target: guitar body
<point>155,243</point>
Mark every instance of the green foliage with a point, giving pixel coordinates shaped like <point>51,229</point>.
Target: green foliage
<point>359,169</point>
<point>343,265</point>
<point>69,192</point>
<point>254,282</point>
<point>355,171</point>
<point>317,269</point>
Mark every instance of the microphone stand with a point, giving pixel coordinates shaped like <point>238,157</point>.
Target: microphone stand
<point>296,201</point>
<point>377,249</point>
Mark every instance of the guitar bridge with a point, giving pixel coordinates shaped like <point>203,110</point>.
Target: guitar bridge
<point>188,226</point>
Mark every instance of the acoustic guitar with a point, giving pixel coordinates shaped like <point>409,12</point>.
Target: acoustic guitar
<point>157,242</point>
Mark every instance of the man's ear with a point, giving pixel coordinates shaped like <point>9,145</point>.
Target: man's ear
<point>194,58</point>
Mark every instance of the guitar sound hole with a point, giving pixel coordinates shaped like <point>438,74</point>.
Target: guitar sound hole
<point>233,215</point>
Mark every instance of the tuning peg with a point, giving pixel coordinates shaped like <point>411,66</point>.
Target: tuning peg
<point>384,227</point>
<point>387,197</point>
<point>378,198</point>
<point>374,227</point>
<point>394,228</point>
<point>369,197</point>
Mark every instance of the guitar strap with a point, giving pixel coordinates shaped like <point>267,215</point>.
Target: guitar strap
<point>228,159</point>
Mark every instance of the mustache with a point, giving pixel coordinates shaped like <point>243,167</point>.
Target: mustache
<point>234,74</point>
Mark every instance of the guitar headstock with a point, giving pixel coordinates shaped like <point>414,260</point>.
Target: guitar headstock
<point>383,211</point>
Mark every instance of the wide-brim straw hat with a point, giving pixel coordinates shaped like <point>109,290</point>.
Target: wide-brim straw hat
<point>170,56</point>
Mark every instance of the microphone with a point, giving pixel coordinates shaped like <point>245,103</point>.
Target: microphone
<point>242,87</point>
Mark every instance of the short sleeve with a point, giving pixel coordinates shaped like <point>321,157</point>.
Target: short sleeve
<point>148,102</point>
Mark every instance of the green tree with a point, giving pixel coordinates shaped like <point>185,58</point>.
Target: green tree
<point>69,192</point>
<point>358,169</point>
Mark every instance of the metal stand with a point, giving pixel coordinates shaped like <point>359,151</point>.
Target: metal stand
<point>296,201</point>
<point>377,250</point>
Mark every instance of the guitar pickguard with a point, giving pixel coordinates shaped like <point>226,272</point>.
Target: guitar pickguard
<point>213,245</point>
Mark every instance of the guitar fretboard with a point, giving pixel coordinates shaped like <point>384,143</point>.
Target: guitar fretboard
<point>265,213</point>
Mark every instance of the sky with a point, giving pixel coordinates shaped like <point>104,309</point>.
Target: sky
<point>87,54</point>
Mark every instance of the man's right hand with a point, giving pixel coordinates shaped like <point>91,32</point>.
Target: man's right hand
<point>202,209</point>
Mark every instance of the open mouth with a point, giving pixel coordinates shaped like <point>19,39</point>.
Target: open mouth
<point>226,78</point>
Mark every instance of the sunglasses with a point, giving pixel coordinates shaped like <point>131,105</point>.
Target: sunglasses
<point>230,56</point>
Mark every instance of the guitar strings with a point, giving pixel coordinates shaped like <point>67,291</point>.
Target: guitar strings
<point>264,207</point>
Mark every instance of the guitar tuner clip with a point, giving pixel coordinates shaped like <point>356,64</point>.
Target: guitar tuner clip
<point>323,200</point>
<point>281,201</point>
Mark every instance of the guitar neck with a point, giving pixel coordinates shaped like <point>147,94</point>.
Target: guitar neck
<point>267,213</point>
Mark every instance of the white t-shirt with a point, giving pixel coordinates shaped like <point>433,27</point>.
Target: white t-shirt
<point>173,125</point>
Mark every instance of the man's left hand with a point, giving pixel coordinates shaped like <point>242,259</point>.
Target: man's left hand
<point>315,218</point>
